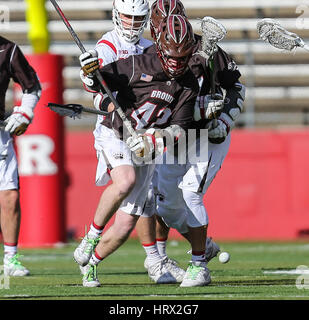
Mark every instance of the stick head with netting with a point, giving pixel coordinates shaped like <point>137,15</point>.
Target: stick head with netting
<point>272,32</point>
<point>212,32</point>
<point>68,110</point>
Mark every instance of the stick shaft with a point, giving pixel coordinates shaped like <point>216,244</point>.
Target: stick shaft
<point>97,73</point>
<point>95,111</point>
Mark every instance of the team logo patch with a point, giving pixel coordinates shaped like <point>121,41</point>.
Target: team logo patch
<point>146,77</point>
<point>118,155</point>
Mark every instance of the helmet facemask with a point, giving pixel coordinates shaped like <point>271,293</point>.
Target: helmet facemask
<point>175,45</point>
<point>130,18</point>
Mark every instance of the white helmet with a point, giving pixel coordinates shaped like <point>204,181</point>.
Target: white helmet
<point>139,10</point>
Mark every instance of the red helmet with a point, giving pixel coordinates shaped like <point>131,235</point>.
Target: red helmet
<point>161,9</point>
<point>175,44</point>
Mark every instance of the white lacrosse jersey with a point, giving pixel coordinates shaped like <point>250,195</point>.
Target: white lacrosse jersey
<point>112,47</point>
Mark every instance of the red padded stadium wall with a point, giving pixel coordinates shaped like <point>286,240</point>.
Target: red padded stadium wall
<point>260,193</point>
<point>41,160</point>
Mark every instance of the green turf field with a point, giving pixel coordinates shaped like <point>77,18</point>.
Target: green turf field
<point>249,274</point>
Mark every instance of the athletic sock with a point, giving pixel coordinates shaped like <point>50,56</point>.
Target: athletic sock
<point>198,256</point>
<point>152,253</point>
<point>95,231</point>
<point>10,249</point>
<point>161,244</point>
<point>95,258</point>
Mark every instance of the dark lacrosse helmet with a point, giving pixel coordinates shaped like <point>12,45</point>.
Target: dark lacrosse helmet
<point>175,44</point>
<point>161,9</point>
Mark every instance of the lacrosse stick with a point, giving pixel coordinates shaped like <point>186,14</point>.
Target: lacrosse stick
<point>212,32</point>
<point>272,32</point>
<point>73,110</point>
<point>103,84</point>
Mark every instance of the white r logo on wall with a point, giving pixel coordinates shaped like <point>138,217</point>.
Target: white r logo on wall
<point>302,282</point>
<point>4,280</point>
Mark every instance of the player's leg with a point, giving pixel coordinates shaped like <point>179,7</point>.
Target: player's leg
<point>146,230</point>
<point>10,207</point>
<point>197,273</point>
<point>121,171</point>
<point>123,178</point>
<point>126,217</point>
<point>194,185</point>
<point>170,212</point>
<point>10,225</point>
<point>162,231</point>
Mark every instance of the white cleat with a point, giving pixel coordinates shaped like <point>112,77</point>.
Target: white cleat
<point>197,275</point>
<point>212,249</point>
<point>172,266</point>
<point>83,252</point>
<point>159,274</point>
<point>84,270</point>
<point>13,267</point>
<point>90,278</point>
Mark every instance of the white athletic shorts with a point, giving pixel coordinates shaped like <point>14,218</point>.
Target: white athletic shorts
<point>113,152</point>
<point>8,163</point>
<point>197,177</point>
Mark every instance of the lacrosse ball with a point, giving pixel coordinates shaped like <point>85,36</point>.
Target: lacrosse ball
<point>224,257</point>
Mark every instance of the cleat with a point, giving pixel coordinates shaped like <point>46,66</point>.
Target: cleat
<point>84,270</point>
<point>212,249</point>
<point>172,266</point>
<point>159,274</point>
<point>83,252</point>
<point>90,278</point>
<point>197,275</point>
<point>13,267</point>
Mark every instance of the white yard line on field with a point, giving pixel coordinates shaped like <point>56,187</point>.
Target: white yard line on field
<point>294,271</point>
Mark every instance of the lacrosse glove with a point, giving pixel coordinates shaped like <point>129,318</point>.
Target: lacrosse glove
<point>89,64</point>
<point>19,120</point>
<point>208,107</point>
<point>147,145</point>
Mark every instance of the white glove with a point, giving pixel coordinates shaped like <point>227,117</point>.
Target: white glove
<point>19,120</point>
<point>87,80</point>
<point>147,145</point>
<point>208,108</point>
<point>89,62</point>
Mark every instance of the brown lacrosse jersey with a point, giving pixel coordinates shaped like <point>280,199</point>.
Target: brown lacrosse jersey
<point>226,70</point>
<point>13,65</point>
<point>147,95</point>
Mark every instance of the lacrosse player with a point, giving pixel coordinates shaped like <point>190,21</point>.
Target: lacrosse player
<point>13,65</point>
<point>130,18</point>
<point>180,188</point>
<point>156,90</point>
<point>145,225</point>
